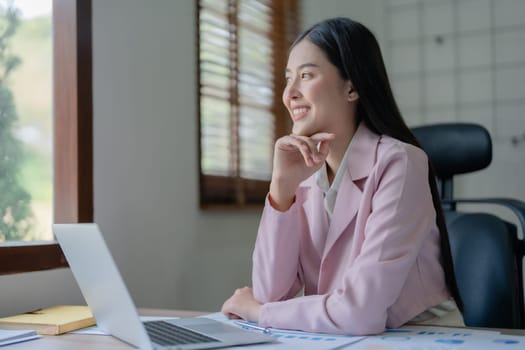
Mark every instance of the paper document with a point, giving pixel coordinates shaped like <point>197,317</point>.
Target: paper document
<point>290,339</point>
<point>439,338</point>
<point>16,336</point>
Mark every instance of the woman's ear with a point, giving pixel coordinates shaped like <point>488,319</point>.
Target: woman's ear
<point>352,93</point>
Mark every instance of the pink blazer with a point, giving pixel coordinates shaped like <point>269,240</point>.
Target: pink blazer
<point>376,265</point>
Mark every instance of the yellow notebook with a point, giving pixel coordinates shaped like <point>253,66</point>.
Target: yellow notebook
<point>52,320</point>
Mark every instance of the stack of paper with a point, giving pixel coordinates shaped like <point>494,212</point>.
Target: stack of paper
<point>11,336</point>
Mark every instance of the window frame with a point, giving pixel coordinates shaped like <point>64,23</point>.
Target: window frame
<point>73,137</point>
<point>215,192</point>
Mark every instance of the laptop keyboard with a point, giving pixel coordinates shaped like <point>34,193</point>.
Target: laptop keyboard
<point>166,334</point>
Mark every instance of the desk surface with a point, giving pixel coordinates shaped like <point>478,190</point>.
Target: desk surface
<point>91,342</point>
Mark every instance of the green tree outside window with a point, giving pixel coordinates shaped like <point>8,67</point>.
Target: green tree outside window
<point>15,210</point>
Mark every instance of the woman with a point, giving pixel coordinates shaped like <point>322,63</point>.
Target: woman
<point>352,218</point>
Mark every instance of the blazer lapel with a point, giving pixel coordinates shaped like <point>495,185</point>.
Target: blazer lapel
<point>344,211</point>
<point>317,221</point>
<point>361,160</point>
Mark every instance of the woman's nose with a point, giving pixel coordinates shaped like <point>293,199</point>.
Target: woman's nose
<point>292,91</point>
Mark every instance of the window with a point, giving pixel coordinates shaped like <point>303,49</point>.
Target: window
<point>72,166</point>
<point>242,56</point>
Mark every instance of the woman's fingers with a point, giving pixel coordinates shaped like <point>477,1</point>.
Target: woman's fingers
<point>314,148</point>
<point>295,144</point>
<point>323,136</point>
<point>307,148</point>
<point>324,147</point>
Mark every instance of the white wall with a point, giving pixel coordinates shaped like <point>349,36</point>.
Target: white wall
<point>464,60</point>
<point>370,12</point>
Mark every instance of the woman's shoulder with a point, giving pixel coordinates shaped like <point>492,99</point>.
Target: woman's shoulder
<point>392,147</point>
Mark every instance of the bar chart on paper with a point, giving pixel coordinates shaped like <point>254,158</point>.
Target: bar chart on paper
<point>304,340</point>
<point>292,339</point>
<point>439,338</point>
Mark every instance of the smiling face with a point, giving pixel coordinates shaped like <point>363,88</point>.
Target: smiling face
<point>316,96</point>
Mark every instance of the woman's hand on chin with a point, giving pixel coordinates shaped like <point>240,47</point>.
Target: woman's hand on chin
<point>295,159</point>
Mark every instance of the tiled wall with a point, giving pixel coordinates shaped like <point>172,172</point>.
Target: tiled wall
<point>464,60</point>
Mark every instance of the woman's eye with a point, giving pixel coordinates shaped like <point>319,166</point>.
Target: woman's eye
<point>305,75</point>
<point>287,79</point>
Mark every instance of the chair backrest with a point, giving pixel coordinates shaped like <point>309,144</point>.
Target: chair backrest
<point>487,274</point>
<point>486,252</point>
<point>453,149</point>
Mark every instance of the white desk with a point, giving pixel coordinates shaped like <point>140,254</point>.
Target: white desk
<point>93,342</point>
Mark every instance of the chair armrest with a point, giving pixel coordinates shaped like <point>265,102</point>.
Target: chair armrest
<point>516,206</point>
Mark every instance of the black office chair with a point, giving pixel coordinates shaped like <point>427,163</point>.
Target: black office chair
<point>486,251</point>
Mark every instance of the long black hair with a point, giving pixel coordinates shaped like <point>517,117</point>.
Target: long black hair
<point>354,50</point>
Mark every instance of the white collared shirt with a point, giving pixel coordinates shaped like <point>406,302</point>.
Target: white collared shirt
<point>330,192</point>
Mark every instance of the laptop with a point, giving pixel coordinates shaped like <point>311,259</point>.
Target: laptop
<point>106,294</point>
